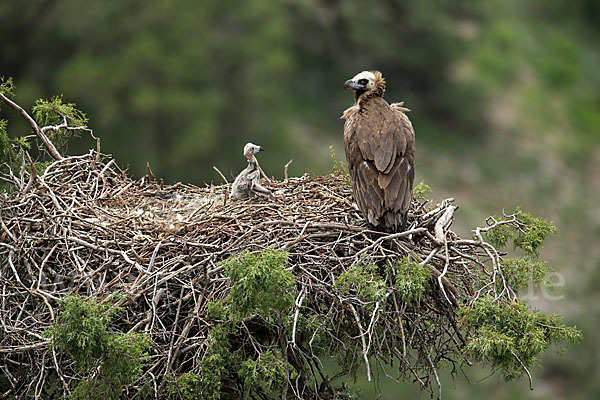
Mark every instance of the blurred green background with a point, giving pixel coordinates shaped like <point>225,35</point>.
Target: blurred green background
<point>505,99</point>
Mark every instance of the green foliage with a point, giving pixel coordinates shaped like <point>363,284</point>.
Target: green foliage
<point>81,331</point>
<point>53,112</point>
<point>260,283</point>
<point>10,149</point>
<point>21,142</point>
<point>510,336</point>
<point>217,310</point>
<point>339,168</point>
<point>527,233</point>
<point>421,190</point>
<point>521,272</point>
<point>499,235</point>
<point>213,365</point>
<point>125,353</point>
<point>11,154</point>
<point>96,389</point>
<point>349,393</point>
<point>267,373</point>
<point>262,294</point>
<point>262,287</point>
<point>411,279</point>
<point>364,282</point>
<point>7,87</point>
<point>534,234</point>
<point>187,386</point>
<point>4,142</point>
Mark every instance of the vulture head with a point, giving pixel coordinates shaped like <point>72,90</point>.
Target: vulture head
<point>250,150</point>
<point>366,83</point>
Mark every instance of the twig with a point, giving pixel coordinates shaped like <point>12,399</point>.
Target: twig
<point>525,369</point>
<point>285,169</point>
<point>297,305</point>
<point>150,170</point>
<point>32,174</point>
<point>365,350</point>
<point>401,327</point>
<point>222,176</point>
<point>444,272</point>
<point>435,374</point>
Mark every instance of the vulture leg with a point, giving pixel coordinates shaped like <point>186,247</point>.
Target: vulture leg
<point>404,219</point>
<point>371,226</point>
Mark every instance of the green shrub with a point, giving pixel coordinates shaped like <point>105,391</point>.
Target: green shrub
<point>218,356</point>
<point>339,168</point>
<point>529,236</point>
<point>510,336</point>
<point>260,283</point>
<point>81,331</point>
<point>187,386</point>
<point>411,279</point>
<point>268,372</point>
<point>521,272</point>
<point>421,190</point>
<point>261,286</point>
<point>364,281</point>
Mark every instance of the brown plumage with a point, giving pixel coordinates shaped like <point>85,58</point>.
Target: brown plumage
<point>380,149</point>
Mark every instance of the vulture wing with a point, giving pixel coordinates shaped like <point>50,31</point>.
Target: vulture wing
<point>380,146</point>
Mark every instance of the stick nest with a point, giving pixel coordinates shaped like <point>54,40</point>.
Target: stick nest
<point>86,227</point>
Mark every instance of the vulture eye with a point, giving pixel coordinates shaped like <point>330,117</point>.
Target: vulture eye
<point>363,81</point>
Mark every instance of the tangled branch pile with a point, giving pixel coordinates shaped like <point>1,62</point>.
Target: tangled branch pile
<point>307,280</point>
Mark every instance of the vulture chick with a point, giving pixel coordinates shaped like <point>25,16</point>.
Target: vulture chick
<point>380,149</point>
<point>247,183</point>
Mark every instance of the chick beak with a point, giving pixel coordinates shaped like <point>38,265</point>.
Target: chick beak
<point>260,148</point>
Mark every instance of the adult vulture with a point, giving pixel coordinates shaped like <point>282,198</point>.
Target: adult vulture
<point>380,149</point>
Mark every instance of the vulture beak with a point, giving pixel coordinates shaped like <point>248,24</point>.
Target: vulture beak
<point>260,148</point>
<point>350,84</point>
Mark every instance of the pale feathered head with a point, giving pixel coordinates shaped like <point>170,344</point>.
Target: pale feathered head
<point>366,82</point>
<point>250,150</point>
<point>362,81</point>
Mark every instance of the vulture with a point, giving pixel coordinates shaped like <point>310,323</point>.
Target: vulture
<point>247,183</point>
<point>380,150</point>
